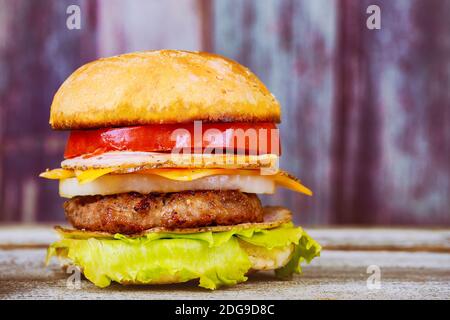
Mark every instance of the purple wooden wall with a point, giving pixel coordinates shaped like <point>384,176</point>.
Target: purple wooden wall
<point>366,120</point>
<point>37,53</point>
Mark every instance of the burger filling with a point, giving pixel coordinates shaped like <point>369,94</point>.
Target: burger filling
<point>143,214</point>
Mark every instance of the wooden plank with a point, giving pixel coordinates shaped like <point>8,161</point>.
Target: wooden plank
<point>379,100</point>
<point>383,239</point>
<point>398,239</point>
<point>366,115</point>
<point>336,275</point>
<point>14,236</point>
<point>135,25</point>
<point>392,116</point>
<point>34,62</point>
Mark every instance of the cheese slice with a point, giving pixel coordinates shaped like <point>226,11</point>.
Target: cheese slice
<point>90,175</point>
<point>281,178</point>
<point>57,174</point>
<point>286,180</point>
<point>82,176</point>
<point>193,174</point>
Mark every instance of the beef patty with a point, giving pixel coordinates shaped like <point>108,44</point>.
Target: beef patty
<point>129,213</point>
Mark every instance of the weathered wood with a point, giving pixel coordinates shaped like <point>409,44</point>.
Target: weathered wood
<point>391,143</point>
<point>335,275</point>
<point>400,239</point>
<point>37,53</point>
<point>366,113</point>
<point>127,26</point>
<point>387,239</point>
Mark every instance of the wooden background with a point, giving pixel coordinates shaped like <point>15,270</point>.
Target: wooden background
<point>366,113</point>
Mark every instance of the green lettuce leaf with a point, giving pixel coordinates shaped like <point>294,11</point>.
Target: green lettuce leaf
<point>215,258</point>
<point>306,250</point>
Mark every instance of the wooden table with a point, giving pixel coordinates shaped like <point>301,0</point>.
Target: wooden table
<point>413,264</point>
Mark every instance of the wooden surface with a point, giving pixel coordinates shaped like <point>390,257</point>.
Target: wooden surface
<point>414,264</point>
<point>365,119</point>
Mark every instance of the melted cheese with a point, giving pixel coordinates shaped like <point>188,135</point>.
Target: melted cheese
<point>287,181</point>
<point>193,174</point>
<point>281,178</point>
<point>57,174</point>
<point>90,175</point>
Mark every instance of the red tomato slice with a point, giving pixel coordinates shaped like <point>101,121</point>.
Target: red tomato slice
<point>262,138</point>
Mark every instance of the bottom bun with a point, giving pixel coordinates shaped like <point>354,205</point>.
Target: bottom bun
<point>267,259</point>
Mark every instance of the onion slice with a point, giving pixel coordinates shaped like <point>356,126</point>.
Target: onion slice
<point>147,183</point>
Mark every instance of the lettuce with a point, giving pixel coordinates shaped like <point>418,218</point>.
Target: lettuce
<point>215,258</point>
<point>306,250</point>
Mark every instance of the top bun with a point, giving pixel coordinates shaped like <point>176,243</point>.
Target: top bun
<point>167,86</point>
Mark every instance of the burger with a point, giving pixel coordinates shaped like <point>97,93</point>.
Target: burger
<point>167,153</point>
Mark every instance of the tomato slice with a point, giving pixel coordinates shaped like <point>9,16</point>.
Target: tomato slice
<point>251,138</point>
